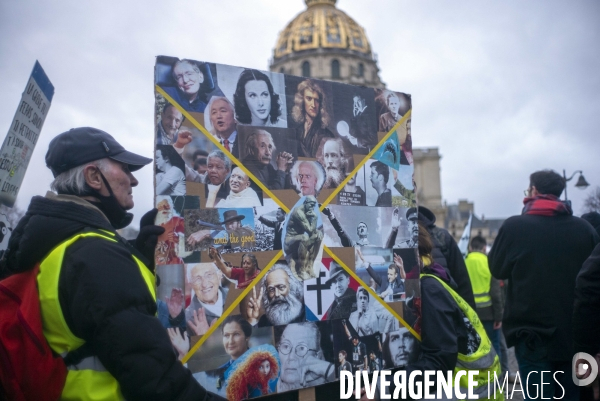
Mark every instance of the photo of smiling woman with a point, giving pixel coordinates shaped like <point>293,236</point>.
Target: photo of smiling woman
<point>170,171</point>
<point>256,102</point>
<point>244,274</point>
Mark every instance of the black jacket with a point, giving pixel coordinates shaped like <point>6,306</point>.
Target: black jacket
<point>443,331</point>
<point>104,298</point>
<point>447,254</point>
<point>586,314</point>
<point>541,256</point>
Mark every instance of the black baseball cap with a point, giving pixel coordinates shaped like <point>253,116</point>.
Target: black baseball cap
<point>85,144</point>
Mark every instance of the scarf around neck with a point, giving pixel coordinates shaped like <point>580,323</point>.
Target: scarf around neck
<point>546,205</point>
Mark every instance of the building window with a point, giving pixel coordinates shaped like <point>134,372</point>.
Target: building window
<point>335,69</point>
<point>282,70</point>
<point>361,70</point>
<point>306,69</point>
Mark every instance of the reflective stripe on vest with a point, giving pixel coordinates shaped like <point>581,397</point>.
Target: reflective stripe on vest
<point>484,359</point>
<point>89,379</point>
<point>480,276</point>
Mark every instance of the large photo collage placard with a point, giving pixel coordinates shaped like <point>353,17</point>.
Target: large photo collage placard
<point>290,244</point>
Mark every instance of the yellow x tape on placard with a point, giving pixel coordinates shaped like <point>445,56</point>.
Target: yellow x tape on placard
<point>235,303</point>
<point>234,159</point>
<point>370,290</point>
<point>364,161</point>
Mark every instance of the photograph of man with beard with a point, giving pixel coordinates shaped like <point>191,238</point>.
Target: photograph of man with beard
<point>303,239</point>
<point>306,355</point>
<point>169,126</point>
<point>344,302</point>
<point>412,217</point>
<point>307,177</point>
<point>259,151</point>
<point>397,348</point>
<point>170,248</point>
<point>207,297</point>
<point>281,296</point>
<point>334,160</point>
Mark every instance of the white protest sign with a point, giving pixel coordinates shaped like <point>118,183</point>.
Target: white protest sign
<point>23,134</point>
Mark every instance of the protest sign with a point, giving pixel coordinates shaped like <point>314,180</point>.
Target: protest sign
<point>23,134</point>
<point>285,201</point>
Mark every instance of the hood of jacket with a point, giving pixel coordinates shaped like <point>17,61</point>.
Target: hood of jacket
<point>426,216</point>
<point>48,221</point>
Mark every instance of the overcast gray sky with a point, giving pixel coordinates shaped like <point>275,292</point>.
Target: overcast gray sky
<point>503,88</point>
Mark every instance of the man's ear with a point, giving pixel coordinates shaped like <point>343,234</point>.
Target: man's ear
<point>92,177</point>
<point>534,191</point>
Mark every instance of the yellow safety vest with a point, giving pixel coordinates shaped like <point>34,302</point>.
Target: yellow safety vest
<point>480,275</point>
<point>484,359</point>
<point>89,379</point>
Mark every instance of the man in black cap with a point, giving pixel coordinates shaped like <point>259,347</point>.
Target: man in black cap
<point>345,297</point>
<point>96,290</point>
<point>412,216</point>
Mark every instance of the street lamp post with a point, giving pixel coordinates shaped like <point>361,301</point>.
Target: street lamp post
<point>581,182</point>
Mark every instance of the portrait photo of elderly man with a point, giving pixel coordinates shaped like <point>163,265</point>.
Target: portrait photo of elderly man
<point>303,239</point>
<point>304,359</point>
<point>281,296</point>
<point>240,194</point>
<point>307,177</point>
<point>334,160</point>
<point>219,117</point>
<point>215,180</point>
<point>260,152</point>
<point>170,125</point>
<point>170,248</point>
<point>207,297</point>
<point>311,116</point>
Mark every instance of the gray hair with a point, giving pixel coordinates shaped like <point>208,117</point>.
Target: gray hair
<point>207,112</point>
<point>296,286</point>
<point>252,140</point>
<point>72,182</point>
<point>192,266</point>
<point>217,153</point>
<point>317,168</point>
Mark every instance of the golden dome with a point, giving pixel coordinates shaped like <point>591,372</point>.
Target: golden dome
<point>322,25</point>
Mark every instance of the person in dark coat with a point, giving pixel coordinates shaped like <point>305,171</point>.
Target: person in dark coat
<point>446,254</point>
<point>586,313</point>
<point>277,225</point>
<point>100,290</point>
<point>594,219</point>
<point>345,297</point>
<point>541,252</point>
